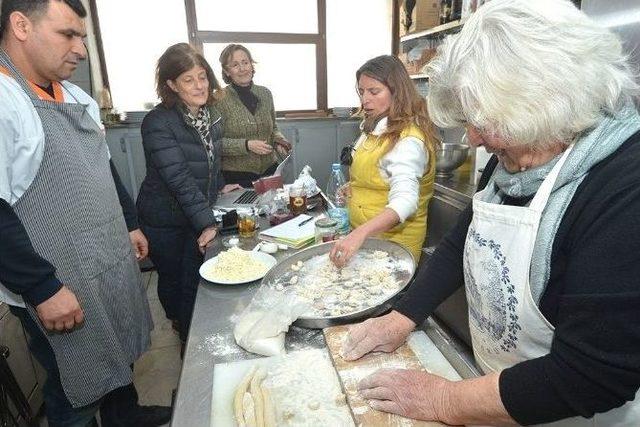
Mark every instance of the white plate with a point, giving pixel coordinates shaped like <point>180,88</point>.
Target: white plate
<point>259,256</point>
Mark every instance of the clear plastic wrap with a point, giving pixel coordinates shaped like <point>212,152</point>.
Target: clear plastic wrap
<point>262,326</point>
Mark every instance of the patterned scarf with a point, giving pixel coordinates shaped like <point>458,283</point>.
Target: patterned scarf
<point>201,123</point>
<point>590,148</point>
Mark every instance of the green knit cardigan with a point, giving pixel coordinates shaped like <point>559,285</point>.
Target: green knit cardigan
<point>239,125</point>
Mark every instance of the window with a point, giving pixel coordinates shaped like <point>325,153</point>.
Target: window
<point>357,30</point>
<point>288,70</point>
<point>307,51</point>
<point>258,16</point>
<point>134,35</point>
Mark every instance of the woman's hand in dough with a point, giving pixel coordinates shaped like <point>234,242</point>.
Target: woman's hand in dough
<point>412,394</point>
<point>346,247</point>
<point>385,333</point>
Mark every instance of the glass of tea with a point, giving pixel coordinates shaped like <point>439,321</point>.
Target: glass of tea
<point>247,224</point>
<point>297,199</point>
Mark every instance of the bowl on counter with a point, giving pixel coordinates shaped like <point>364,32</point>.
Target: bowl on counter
<point>449,157</point>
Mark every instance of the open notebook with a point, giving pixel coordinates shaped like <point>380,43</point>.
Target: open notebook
<point>291,233</point>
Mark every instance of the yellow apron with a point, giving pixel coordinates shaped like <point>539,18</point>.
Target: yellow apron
<point>370,192</point>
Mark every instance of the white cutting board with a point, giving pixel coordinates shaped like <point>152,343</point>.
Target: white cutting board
<point>310,397</point>
<point>430,357</point>
<point>227,376</point>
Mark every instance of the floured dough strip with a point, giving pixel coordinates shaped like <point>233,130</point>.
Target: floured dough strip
<point>269,409</point>
<point>252,402</point>
<point>238,399</point>
<point>249,410</point>
<point>256,393</point>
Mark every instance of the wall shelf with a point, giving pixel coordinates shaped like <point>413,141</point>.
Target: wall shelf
<point>449,26</point>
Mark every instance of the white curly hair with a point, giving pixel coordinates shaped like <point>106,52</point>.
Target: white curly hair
<point>532,72</point>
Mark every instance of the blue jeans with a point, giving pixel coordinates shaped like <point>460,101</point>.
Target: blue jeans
<point>58,409</point>
<point>174,252</point>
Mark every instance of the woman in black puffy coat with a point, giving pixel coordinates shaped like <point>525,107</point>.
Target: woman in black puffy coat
<point>181,139</point>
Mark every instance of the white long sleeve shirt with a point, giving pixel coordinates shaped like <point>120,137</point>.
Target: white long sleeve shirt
<point>22,136</point>
<point>402,167</point>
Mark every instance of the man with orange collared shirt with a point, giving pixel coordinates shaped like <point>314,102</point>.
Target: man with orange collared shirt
<point>69,239</point>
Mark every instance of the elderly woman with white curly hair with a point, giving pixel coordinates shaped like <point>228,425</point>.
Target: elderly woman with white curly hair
<point>549,249</point>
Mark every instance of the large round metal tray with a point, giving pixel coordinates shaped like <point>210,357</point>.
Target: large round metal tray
<point>406,268</point>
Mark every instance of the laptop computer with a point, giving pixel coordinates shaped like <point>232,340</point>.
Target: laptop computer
<point>248,197</point>
<point>245,198</point>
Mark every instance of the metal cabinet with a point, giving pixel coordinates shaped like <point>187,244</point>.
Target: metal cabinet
<point>315,147</point>
<point>318,142</point>
<point>127,154</point>
<point>346,133</point>
<point>444,209</point>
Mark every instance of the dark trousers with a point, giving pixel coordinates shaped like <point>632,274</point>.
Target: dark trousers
<point>174,252</point>
<point>116,407</point>
<point>246,179</point>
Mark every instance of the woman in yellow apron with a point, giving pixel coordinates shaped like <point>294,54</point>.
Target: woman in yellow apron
<point>393,165</point>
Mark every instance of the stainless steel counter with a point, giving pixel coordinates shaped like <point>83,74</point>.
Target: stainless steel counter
<point>457,187</point>
<point>211,341</point>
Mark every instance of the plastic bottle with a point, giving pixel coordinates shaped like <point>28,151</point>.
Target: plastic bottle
<point>339,212</point>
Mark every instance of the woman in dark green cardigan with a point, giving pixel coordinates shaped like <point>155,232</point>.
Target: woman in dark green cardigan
<point>251,142</point>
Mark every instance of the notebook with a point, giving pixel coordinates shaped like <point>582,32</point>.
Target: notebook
<point>291,233</point>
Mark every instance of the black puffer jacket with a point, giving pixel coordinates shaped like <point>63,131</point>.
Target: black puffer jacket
<point>181,185</point>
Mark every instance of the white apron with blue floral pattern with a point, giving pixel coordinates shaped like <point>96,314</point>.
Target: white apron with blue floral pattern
<point>505,323</point>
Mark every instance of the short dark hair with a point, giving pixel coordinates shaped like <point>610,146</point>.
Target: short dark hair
<point>176,60</point>
<point>33,8</point>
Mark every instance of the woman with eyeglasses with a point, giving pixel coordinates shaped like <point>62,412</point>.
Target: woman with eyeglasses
<point>252,145</point>
<point>392,164</point>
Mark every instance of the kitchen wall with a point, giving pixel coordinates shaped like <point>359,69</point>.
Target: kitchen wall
<point>623,18</point>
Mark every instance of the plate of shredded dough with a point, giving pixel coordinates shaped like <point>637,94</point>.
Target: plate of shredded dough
<point>236,266</point>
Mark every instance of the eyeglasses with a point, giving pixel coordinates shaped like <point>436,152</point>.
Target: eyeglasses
<point>346,155</point>
<point>238,65</point>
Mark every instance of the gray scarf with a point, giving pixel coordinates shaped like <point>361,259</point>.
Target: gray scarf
<point>590,148</point>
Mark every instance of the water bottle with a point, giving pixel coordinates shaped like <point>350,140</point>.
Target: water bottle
<point>339,212</point>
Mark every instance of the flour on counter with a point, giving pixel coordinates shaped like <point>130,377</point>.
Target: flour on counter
<point>306,391</point>
<point>220,345</point>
